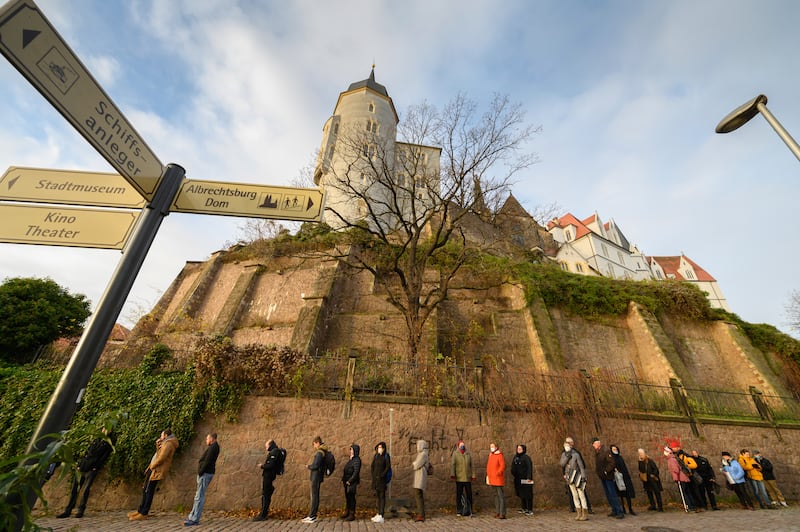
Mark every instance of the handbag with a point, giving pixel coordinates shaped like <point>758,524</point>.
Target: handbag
<point>696,479</point>
<point>429,469</point>
<point>643,476</point>
<point>619,480</point>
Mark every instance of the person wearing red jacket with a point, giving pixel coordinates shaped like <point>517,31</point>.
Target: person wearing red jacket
<point>496,478</point>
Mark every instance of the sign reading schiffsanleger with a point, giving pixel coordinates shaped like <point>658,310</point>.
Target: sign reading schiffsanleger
<point>34,47</point>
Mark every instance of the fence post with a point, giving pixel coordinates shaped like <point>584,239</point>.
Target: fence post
<point>347,408</point>
<point>589,398</point>
<point>682,400</point>
<point>764,410</point>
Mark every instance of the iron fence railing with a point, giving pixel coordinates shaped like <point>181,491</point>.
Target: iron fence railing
<point>376,376</point>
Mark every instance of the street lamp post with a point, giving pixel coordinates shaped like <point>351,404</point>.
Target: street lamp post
<point>742,114</point>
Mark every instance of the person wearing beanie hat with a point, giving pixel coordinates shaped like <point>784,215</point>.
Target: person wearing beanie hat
<point>461,472</point>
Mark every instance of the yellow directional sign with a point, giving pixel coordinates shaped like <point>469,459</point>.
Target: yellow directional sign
<point>40,185</point>
<point>66,226</point>
<point>34,47</point>
<point>252,201</point>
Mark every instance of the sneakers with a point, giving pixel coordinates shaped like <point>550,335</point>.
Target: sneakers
<point>783,503</point>
<point>377,518</point>
<point>190,522</point>
<point>308,519</point>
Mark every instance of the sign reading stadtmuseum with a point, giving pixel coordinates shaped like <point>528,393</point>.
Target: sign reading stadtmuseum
<point>39,185</point>
<point>66,226</point>
<point>34,47</point>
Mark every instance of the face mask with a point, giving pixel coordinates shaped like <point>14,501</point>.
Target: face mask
<point>567,447</point>
<point>615,452</point>
<point>667,453</point>
<point>492,449</point>
<point>461,447</point>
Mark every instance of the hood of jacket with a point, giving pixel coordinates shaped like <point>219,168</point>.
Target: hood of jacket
<point>272,445</point>
<point>524,449</point>
<point>356,449</point>
<point>421,445</point>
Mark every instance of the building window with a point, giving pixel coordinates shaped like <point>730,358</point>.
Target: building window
<point>371,107</point>
<point>336,129</point>
<point>658,274</point>
<point>689,274</point>
<point>565,266</point>
<point>369,150</point>
<point>579,267</point>
<point>372,126</point>
<point>605,249</point>
<point>621,258</point>
<point>568,234</point>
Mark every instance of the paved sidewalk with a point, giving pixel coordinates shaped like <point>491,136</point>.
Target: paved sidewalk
<point>728,520</point>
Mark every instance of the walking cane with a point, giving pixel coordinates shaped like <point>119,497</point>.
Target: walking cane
<point>683,499</point>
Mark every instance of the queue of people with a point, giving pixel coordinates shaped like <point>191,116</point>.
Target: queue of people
<point>750,476</point>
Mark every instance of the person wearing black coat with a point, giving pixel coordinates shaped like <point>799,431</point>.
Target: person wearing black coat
<point>88,467</point>
<point>269,470</point>
<point>379,470</point>
<point>629,492</point>
<point>350,479</point>
<point>522,471</point>
<point>651,481</point>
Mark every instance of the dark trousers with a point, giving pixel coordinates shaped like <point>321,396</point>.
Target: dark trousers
<point>610,489</point>
<point>655,499</point>
<point>381,494</point>
<point>267,489</point>
<point>686,490</point>
<point>525,494</point>
<point>82,480</point>
<point>418,496</point>
<point>741,491</point>
<point>350,498</point>
<point>463,491</point>
<point>315,484</point>
<point>705,494</point>
<point>148,490</point>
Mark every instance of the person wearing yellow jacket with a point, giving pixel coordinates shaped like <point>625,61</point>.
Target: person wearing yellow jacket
<point>754,477</point>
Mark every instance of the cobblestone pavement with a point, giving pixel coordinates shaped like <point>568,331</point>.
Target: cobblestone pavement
<point>672,520</point>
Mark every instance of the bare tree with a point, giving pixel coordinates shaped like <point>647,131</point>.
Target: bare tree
<point>415,196</point>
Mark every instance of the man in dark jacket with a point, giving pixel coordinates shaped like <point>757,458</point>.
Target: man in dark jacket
<point>206,468</point>
<point>269,470</point>
<point>95,458</point>
<point>351,477</point>
<point>605,466</point>
<point>767,470</point>
<point>316,476</point>
<point>705,491</point>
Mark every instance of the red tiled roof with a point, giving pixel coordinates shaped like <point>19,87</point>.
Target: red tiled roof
<point>670,265</point>
<point>569,219</point>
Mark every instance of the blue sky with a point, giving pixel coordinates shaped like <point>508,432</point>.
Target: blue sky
<point>627,93</point>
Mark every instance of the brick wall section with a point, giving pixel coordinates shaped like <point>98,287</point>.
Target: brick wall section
<point>294,422</point>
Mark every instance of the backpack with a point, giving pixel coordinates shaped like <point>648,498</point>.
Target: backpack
<point>281,460</point>
<point>330,463</point>
<point>389,473</point>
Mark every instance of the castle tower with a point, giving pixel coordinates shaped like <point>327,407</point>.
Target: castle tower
<point>364,124</point>
<point>361,165</point>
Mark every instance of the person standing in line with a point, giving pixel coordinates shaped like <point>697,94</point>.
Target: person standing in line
<point>651,481</point>
<point>767,470</point>
<point>206,468</point>
<point>496,478</point>
<point>269,471</point>
<point>574,470</point>
<point>629,492</point>
<point>706,489</point>
<point>461,472</point>
<point>166,445</point>
<point>569,440</point>
<point>604,467</point>
<point>316,477</point>
<point>379,471</point>
<point>754,478</point>
<point>351,477</point>
<point>736,477</point>
<point>681,478</point>
<point>89,466</point>
<point>522,471</point>
<point>420,466</point>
